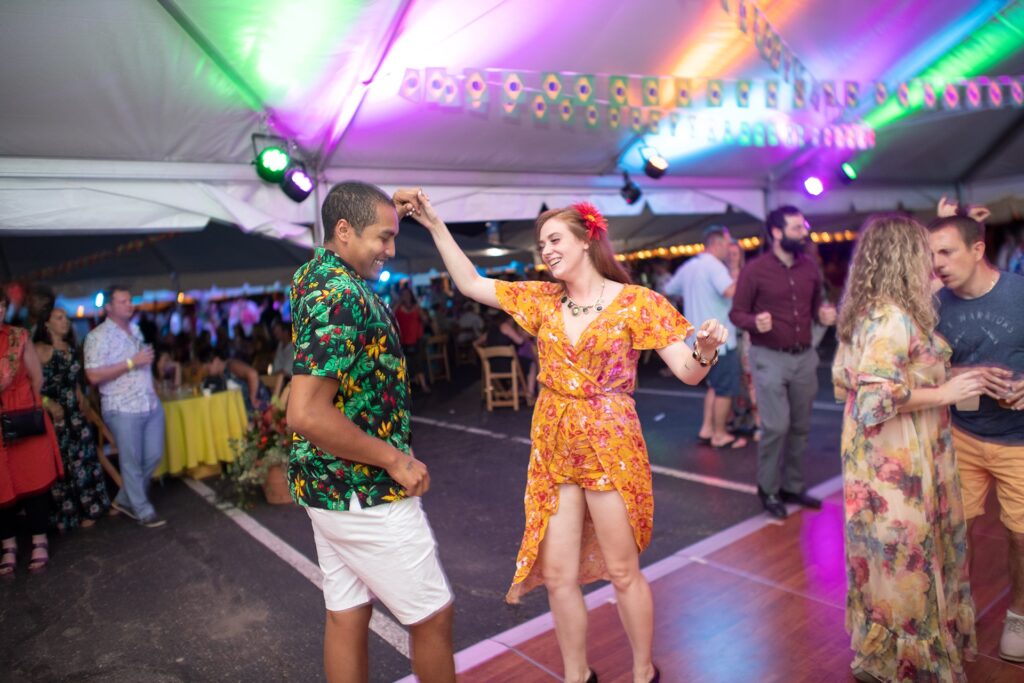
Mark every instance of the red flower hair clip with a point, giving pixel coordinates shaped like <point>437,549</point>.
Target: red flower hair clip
<point>592,218</point>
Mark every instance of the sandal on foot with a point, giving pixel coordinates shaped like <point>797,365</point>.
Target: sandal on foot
<point>10,561</point>
<point>734,442</point>
<point>38,562</point>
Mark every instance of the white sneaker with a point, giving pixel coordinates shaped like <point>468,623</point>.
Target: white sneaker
<point>1011,645</point>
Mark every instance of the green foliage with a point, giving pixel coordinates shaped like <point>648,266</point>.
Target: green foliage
<point>266,443</point>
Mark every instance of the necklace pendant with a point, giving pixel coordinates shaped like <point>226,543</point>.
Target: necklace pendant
<point>599,308</point>
<point>575,310</point>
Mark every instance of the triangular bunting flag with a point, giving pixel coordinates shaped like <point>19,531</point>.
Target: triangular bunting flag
<point>412,85</point>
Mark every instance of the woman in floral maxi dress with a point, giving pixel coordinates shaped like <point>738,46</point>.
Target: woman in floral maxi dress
<point>80,498</point>
<point>589,504</point>
<point>908,609</point>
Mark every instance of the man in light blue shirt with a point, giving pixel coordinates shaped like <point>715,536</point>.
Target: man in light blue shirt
<point>706,287</point>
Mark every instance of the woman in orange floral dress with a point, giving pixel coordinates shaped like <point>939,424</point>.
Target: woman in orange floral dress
<point>589,504</point>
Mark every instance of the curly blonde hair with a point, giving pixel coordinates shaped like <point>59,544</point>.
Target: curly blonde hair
<point>892,264</point>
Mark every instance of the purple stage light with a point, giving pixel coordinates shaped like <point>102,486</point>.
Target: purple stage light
<point>297,184</point>
<point>814,186</point>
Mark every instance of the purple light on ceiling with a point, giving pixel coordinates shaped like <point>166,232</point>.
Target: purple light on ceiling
<point>814,186</point>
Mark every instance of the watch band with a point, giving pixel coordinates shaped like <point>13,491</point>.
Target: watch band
<point>704,362</point>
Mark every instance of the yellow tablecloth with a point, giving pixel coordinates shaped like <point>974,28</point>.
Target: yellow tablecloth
<point>199,430</point>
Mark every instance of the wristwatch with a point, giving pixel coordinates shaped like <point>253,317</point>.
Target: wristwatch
<point>704,362</point>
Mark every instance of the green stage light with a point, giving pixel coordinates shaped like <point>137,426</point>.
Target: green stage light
<point>271,164</point>
<point>849,171</point>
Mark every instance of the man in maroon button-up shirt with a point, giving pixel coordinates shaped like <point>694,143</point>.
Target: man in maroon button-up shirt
<point>777,295</point>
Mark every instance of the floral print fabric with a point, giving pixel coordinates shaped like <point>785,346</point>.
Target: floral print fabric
<point>910,616</point>
<point>82,493</point>
<point>344,331</point>
<point>586,395</point>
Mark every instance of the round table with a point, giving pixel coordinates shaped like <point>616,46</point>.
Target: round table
<point>199,432</point>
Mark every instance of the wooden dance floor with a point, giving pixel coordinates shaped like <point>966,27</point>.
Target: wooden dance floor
<point>764,606</point>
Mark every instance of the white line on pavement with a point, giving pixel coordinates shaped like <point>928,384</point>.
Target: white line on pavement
<point>657,469</point>
<point>702,479</point>
<point>380,623</point>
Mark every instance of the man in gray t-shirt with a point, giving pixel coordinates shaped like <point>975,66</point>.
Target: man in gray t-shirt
<point>706,288</point>
<point>982,317</point>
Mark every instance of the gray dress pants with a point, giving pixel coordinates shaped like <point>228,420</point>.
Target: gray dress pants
<point>786,385</point>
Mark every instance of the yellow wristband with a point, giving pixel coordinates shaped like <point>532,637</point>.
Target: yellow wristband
<point>131,365</point>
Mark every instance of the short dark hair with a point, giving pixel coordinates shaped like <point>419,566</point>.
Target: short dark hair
<point>353,201</point>
<point>714,233</point>
<point>110,290</point>
<point>777,218</point>
<point>970,230</point>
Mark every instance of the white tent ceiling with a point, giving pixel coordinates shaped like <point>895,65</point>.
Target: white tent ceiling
<point>131,114</point>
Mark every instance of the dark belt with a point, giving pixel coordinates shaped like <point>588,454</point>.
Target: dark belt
<point>794,350</point>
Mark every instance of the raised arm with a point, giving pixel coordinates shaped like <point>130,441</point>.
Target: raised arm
<point>464,274</point>
<point>679,356</point>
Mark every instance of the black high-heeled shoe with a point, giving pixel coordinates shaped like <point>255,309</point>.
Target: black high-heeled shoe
<point>592,678</point>
<point>657,676</point>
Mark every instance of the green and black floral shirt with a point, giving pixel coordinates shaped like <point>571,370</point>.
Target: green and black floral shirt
<point>343,330</point>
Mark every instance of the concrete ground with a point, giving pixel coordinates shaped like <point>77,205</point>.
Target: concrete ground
<point>203,600</point>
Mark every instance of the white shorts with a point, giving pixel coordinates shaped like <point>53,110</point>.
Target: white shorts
<point>387,551</point>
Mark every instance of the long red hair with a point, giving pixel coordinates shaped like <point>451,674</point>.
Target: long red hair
<point>601,254</point>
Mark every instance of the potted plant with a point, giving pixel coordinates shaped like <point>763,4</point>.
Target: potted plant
<point>261,460</point>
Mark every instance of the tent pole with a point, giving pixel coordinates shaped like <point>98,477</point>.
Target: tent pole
<point>318,223</point>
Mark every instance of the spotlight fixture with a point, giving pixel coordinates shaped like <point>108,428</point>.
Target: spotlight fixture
<point>296,183</point>
<point>813,186</point>
<point>630,191</point>
<point>271,157</point>
<point>655,165</point>
<point>848,172</point>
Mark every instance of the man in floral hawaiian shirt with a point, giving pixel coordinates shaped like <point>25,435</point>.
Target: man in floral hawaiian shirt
<point>351,463</point>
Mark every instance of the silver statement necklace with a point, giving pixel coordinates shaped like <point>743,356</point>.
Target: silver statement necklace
<point>576,309</point>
